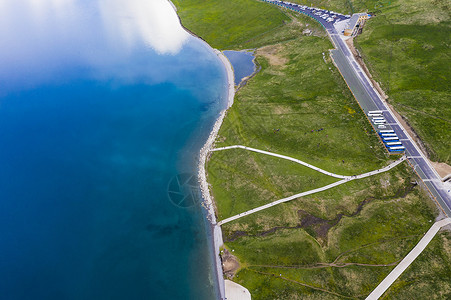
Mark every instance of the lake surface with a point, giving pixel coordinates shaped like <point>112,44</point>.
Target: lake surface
<point>242,62</point>
<point>104,106</point>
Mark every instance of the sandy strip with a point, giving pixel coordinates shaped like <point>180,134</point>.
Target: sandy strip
<point>202,174</point>
<point>234,291</point>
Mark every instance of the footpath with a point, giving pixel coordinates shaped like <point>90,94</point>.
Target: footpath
<point>271,204</point>
<point>402,266</point>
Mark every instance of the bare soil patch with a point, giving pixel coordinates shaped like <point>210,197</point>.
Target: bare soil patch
<point>442,169</point>
<point>230,263</point>
<point>272,54</point>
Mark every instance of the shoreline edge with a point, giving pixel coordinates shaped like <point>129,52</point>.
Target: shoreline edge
<point>208,203</point>
<point>202,173</point>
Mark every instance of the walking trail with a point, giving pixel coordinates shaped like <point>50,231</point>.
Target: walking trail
<point>402,266</point>
<point>271,204</point>
<point>284,157</point>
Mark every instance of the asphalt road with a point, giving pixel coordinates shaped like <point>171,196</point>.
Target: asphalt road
<point>369,99</point>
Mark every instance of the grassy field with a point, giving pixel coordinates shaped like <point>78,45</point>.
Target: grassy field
<point>340,243</point>
<point>229,24</point>
<point>326,205</point>
<point>428,275</point>
<point>336,244</point>
<point>240,174</point>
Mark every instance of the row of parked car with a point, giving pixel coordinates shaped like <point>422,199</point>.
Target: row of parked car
<point>328,16</point>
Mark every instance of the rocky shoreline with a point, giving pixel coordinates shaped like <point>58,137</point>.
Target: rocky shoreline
<point>208,203</point>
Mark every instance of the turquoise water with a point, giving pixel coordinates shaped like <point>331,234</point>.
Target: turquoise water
<point>242,62</point>
<point>94,129</point>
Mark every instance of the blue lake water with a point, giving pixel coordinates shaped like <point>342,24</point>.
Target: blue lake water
<point>95,126</point>
<point>242,62</point>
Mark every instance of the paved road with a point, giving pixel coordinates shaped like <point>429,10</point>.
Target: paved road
<point>402,266</point>
<point>369,99</point>
<point>347,179</point>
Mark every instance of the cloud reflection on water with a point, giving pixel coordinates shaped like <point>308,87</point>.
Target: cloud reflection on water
<point>154,22</point>
<point>41,38</point>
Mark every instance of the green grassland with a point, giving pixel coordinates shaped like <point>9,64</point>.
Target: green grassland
<point>239,174</point>
<point>336,244</point>
<point>228,24</point>
<point>428,275</point>
<point>340,243</point>
<point>344,199</point>
<point>240,24</point>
